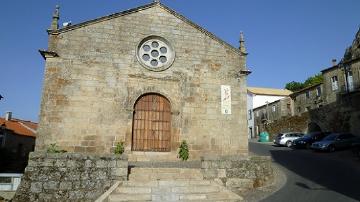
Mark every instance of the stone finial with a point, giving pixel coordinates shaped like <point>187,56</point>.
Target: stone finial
<point>242,43</point>
<point>156,1</point>
<point>55,19</point>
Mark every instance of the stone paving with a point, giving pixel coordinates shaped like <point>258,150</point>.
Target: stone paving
<point>170,184</point>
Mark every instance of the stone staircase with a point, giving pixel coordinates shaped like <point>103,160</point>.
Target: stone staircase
<point>170,184</point>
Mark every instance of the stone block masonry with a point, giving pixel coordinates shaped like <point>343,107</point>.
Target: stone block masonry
<point>70,176</point>
<point>91,90</point>
<point>238,173</point>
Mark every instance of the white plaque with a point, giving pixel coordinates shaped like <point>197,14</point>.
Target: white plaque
<point>225,99</point>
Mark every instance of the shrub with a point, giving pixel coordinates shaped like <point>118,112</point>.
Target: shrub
<point>53,148</point>
<point>183,151</point>
<point>119,148</point>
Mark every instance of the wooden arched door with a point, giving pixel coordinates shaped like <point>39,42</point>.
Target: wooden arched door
<point>151,124</point>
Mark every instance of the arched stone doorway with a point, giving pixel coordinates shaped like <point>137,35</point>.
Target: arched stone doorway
<point>313,127</point>
<point>152,124</point>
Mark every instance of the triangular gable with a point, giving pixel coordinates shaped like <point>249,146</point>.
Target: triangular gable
<point>140,8</point>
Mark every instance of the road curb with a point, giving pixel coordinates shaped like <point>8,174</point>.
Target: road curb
<point>266,143</point>
<point>261,193</point>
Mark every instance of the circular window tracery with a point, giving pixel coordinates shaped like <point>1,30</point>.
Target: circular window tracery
<point>155,53</point>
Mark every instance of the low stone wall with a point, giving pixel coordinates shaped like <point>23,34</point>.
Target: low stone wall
<point>340,116</point>
<point>288,124</point>
<point>70,176</point>
<point>237,172</point>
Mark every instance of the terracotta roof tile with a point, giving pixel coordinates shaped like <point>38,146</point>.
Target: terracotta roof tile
<point>20,127</point>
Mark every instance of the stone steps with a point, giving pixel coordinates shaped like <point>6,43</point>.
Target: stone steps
<point>137,156</point>
<point>170,184</point>
<point>173,193</point>
<point>164,174</point>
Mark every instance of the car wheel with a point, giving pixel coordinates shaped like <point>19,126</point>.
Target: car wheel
<point>331,148</point>
<point>288,143</point>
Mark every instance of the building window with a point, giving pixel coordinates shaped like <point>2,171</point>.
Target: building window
<point>274,108</point>
<point>350,81</point>
<point>250,114</point>
<point>5,180</point>
<point>334,83</point>
<point>257,113</point>
<point>155,53</point>
<point>318,91</point>
<point>307,94</point>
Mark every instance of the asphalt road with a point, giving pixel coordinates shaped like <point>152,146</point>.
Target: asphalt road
<point>314,176</point>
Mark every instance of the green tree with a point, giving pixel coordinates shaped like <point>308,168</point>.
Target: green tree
<point>294,86</point>
<point>312,80</point>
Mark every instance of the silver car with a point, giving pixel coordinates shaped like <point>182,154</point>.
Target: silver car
<point>286,139</point>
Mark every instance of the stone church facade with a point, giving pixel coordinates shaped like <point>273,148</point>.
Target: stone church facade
<point>147,77</point>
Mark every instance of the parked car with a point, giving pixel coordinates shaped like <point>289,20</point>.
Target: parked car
<point>335,141</point>
<point>308,139</point>
<point>286,139</point>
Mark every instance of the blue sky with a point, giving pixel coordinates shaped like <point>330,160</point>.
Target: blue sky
<point>286,40</point>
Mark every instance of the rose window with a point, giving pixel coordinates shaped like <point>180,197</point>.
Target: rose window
<point>155,53</point>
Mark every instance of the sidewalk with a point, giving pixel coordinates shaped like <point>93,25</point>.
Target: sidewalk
<point>256,140</point>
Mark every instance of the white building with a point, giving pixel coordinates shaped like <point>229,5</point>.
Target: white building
<point>257,97</point>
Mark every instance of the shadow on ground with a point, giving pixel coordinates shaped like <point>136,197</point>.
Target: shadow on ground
<point>339,175</point>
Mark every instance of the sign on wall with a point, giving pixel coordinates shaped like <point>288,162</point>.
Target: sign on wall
<point>225,99</point>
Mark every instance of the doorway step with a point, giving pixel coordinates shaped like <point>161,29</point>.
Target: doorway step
<point>170,184</point>
<point>152,156</point>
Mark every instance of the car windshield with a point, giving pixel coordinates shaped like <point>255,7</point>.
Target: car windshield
<point>311,135</point>
<point>331,137</point>
<point>279,135</point>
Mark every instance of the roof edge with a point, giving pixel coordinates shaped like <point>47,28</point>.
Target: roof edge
<point>201,29</point>
<point>269,93</point>
<point>329,68</point>
<point>101,19</point>
<point>341,63</point>
<point>270,103</point>
<point>46,54</point>
<point>139,8</point>
<point>304,89</point>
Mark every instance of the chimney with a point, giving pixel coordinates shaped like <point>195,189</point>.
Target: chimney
<point>8,116</point>
<point>333,62</point>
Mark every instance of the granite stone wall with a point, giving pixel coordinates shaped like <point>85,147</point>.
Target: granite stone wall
<point>340,116</point>
<point>288,124</point>
<point>237,172</point>
<point>90,89</point>
<point>69,176</point>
